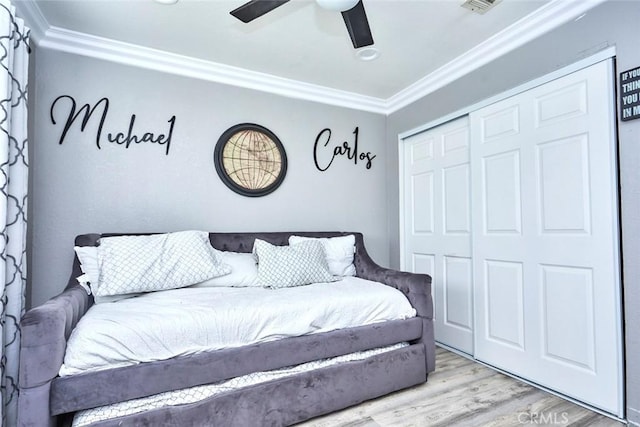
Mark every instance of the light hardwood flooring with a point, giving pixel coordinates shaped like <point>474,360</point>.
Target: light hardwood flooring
<point>463,393</point>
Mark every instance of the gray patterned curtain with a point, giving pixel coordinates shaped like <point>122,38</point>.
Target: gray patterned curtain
<point>14,55</point>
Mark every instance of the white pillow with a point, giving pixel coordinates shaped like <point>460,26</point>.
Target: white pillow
<point>339,252</point>
<point>244,271</point>
<point>294,265</point>
<point>88,257</point>
<point>131,264</point>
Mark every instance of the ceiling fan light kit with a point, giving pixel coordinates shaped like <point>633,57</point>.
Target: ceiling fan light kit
<point>337,5</point>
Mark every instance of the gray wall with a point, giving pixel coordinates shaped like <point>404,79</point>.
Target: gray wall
<point>77,188</point>
<point>614,23</point>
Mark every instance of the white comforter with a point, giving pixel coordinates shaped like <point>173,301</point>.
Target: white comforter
<point>161,325</point>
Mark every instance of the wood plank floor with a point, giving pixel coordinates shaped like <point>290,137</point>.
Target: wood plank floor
<point>467,394</point>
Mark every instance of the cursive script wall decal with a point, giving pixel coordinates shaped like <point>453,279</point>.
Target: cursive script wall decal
<point>345,149</point>
<point>120,138</point>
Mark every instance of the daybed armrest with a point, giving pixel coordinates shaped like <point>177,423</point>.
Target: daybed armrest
<point>416,287</point>
<point>45,330</point>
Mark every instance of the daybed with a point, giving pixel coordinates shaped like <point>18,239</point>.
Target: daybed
<point>47,399</point>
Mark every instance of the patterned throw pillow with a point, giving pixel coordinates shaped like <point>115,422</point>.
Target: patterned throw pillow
<point>338,250</point>
<point>294,265</point>
<point>130,264</point>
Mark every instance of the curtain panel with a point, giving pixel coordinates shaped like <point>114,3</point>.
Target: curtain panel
<point>14,56</point>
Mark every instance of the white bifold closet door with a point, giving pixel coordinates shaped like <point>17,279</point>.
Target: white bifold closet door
<point>545,237</point>
<point>437,225</point>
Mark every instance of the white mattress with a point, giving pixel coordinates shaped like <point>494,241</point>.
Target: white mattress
<point>165,324</point>
<point>199,393</point>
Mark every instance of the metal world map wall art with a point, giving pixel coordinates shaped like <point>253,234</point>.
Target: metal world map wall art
<point>250,160</point>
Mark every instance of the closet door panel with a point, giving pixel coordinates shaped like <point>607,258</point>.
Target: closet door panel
<point>567,300</point>
<point>501,193</point>
<point>545,237</point>
<point>422,263</point>
<point>422,209</point>
<point>458,308</point>
<point>504,304</point>
<point>437,226</point>
<point>563,168</point>
<point>457,214</point>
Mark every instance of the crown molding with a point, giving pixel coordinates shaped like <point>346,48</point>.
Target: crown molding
<point>532,26</point>
<point>539,22</point>
<point>157,60</point>
<point>30,12</point>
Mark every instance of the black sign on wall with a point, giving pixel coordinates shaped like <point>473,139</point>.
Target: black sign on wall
<point>123,139</point>
<point>630,94</point>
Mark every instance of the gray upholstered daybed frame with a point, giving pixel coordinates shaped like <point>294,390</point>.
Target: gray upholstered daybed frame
<point>48,400</point>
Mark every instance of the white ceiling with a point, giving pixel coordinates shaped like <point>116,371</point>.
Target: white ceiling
<point>419,40</point>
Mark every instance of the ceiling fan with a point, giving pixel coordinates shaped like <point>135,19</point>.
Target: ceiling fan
<point>352,11</point>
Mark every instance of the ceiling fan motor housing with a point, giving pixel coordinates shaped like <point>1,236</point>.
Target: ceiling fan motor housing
<point>479,6</point>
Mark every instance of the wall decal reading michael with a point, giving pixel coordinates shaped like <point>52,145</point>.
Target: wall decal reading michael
<point>345,149</point>
<point>66,106</point>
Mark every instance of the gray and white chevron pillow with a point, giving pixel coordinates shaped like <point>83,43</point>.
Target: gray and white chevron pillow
<point>131,264</point>
<point>294,265</point>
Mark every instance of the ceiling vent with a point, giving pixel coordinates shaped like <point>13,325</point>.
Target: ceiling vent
<point>479,6</point>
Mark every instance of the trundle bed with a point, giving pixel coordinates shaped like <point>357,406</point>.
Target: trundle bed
<point>297,363</point>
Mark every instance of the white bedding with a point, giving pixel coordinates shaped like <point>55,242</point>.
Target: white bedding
<point>161,325</point>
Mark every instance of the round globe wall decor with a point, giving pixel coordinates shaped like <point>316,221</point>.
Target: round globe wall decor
<point>250,160</point>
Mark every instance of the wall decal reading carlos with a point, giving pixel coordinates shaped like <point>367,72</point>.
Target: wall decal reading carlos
<point>67,105</point>
<point>345,149</point>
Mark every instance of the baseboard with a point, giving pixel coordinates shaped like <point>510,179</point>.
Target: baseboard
<point>633,417</point>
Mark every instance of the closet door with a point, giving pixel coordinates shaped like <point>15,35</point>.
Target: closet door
<point>437,225</point>
<point>545,220</point>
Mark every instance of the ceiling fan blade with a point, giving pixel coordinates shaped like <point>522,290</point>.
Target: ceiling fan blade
<point>358,26</point>
<point>255,9</point>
